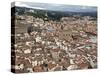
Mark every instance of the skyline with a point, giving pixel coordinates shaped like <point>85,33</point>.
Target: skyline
<point>57,7</point>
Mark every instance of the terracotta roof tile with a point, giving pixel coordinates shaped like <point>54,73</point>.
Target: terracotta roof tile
<point>50,65</point>
<point>37,69</point>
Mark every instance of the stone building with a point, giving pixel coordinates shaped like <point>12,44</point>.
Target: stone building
<point>55,54</point>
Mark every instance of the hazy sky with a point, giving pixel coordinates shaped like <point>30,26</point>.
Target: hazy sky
<point>57,7</point>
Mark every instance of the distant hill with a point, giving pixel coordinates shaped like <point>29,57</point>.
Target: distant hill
<point>54,15</point>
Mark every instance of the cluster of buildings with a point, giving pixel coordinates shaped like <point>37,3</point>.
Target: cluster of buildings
<point>68,44</point>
